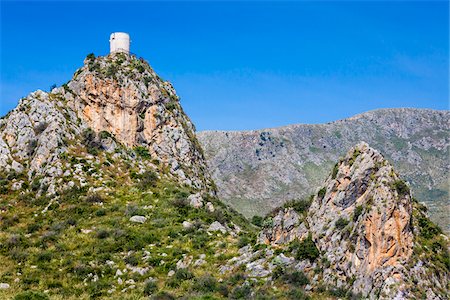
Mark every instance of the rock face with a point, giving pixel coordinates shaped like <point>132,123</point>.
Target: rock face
<point>361,219</point>
<point>125,104</point>
<point>284,227</point>
<point>362,222</point>
<point>256,171</point>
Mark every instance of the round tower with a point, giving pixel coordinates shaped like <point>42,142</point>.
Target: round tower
<point>119,42</point>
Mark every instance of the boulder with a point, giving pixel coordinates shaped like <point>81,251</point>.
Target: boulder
<point>138,219</point>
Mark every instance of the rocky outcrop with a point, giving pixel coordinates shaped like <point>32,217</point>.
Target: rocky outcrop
<point>286,226</point>
<point>365,224</point>
<point>361,220</point>
<point>258,170</point>
<point>125,105</point>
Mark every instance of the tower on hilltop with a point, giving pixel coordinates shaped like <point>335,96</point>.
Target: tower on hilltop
<point>119,42</point>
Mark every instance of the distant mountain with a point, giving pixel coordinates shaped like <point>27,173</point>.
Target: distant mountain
<point>256,171</point>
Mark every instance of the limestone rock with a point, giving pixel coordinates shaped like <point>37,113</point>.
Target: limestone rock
<point>187,225</point>
<point>4,286</point>
<point>216,226</point>
<point>286,226</point>
<point>210,207</point>
<point>128,108</point>
<point>195,200</point>
<point>138,219</point>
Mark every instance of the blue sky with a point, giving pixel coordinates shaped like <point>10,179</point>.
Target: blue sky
<point>244,65</point>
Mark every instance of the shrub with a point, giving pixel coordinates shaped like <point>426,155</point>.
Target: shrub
<point>401,187</point>
<point>337,292</point>
<point>102,234</point>
<point>358,211</point>
<point>183,274</point>
<point>94,198</point>
<point>31,295</point>
<point>44,256</point>
<point>150,287</point>
<point>111,71</point>
<point>132,260</point>
<point>341,223</point>
<point>335,171</point>
<point>91,56</point>
<point>243,241</point>
<point>148,179</point>
<point>100,213</point>
<point>241,292</point>
<point>89,139</point>
<point>142,152</point>
<point>295,278</point>
<point>301,206</point>
<point>104,135</point>
<point>352,160</point>
<point>205,284</point>
<point>163,296</point>
<point>181,205</point>
<point>257,221</point>
<point>297,294</point>
<point>171,105</point>
<point>200,240</point>
<point>427,228</point>
<point>305,249</point>
<point>322,192</point>
<point>179,276</point>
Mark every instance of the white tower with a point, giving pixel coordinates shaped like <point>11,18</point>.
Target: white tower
<point>119,42</point>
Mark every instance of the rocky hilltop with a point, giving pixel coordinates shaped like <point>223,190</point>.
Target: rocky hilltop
<point>371,236</point>
<point>256,171</point>
<point>114,103</point>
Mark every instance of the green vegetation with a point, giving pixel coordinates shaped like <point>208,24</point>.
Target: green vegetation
<point>257,221</point>
<point>90,56</point>
<point>335,171</point>
<point>322,192</point>
<point>300,206</point>
<point>142,152</point>
<point>401,187</point>
<point>305,249</point>
<point>91,142</point>
<point>358,211</point>
<point>171,105</point>
<point>352,160</point>
<point>341,223</point>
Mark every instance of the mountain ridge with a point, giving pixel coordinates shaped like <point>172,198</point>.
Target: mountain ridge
<point>353,117</point>
<point>275,165</point>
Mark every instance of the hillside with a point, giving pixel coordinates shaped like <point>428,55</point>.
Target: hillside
<point>105,194</point>
<point>256,171</point>
<point>104,191</point>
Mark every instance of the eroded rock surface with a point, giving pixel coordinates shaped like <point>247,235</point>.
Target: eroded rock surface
<point>124,103</point>
<point>362,222</point>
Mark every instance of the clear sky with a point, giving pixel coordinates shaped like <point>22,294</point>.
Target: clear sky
<point>244,65</point>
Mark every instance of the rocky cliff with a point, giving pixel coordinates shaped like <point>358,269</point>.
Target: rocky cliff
<point>112,103</point>
<point>104,192</point>
<point>256,171</point>
<point>369,231</point>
